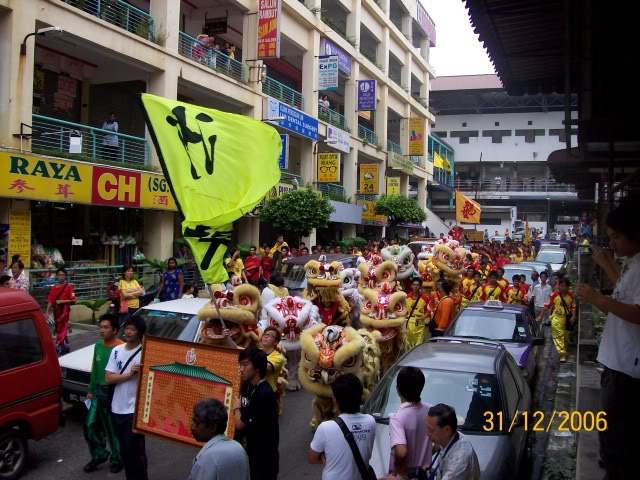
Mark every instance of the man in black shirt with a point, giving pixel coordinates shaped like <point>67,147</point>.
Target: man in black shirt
<point>256,415</point>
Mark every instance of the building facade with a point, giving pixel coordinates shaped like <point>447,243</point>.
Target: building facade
<point>58,90</point>
<point>502,144</point>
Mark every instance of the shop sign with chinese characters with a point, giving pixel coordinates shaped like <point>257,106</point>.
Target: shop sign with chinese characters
<point>20,235</point>
<point>368,179</point>
<point>269,15</point>
<point>66,181</point>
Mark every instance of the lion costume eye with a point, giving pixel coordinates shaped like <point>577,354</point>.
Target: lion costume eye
<point>399,307</point>
<point>407,260</point>
<point>347,280</point>
<point>349,362</point>
<point>246,301</point>
<point>367,304</point>
<point>386,275</point>
<point>312,271</point>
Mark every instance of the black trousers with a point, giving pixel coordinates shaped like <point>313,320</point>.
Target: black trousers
<point>132,447</point>
<point>263,467</point>
<point>620,397</point>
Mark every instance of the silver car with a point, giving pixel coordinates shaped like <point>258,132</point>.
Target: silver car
<point>481,381</point>
<point>555,256</point>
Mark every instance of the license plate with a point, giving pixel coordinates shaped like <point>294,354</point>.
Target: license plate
<point>74,397</point>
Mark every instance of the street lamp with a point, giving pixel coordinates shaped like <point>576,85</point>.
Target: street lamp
<point>40,31</point>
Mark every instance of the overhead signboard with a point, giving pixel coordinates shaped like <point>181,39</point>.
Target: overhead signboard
<point>426,23</point>
<point>339,139</point>
<point>269,15</point>
<point>368,179</point>
<point>292,119</point>
<point>68,181</point>
<point>398,162</point>
<point>327,47</point>
<point>393,185</point>
<point>283,162</point>
<point>328,167</point>
<point>366,95</point>
<point>416,136</point>
<point>328,72</point>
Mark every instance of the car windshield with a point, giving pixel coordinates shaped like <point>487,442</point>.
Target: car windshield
<point>550,257</point>
<point>470,394</point>
<point>510,272</point>
<point>175,325</point>
<point>294,276</point>
<point>504,326</point>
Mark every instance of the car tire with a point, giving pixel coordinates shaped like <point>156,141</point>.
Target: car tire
<point>14,450</point>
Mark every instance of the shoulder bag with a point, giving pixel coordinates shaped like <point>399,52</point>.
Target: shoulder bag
<point>413,309</point>
<point>104,393</point>
<point>366,471</point>
<point>569,324</point>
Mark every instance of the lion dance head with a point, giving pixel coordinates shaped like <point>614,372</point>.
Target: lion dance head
<point>331,351</point>
<point>238,309</point>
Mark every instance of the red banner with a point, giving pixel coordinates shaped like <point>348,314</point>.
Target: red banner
<point>269,14</point>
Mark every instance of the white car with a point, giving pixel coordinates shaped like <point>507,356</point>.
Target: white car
<point>555,256</point>
<point>174,319</point>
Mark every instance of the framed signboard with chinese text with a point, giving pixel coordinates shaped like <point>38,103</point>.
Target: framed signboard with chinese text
<point>175,376</point>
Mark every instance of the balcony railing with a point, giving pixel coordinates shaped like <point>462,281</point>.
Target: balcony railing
<point>291,179</point>
<point>285,94</point>
<point>442,177</point>
<point>515,186</point>
<point>416,160</point>
<point>366,197</point>
<point>120,14</point>
<point>394,147</point>
<point>214,59</point>
<point>53,137</point>
<point>367,135</point>
<point>332,117</point>
<point>332,191</point>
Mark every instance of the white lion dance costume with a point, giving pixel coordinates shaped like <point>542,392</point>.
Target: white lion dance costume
<point>403,257</point>
<point>291,316</point>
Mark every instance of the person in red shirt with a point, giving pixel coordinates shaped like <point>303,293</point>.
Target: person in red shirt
<point>503,259</point>
<point>266,265</point>
<point>252,266</point>
<point>503,282</point>
<point>61,297</point>
<point>456,232</point>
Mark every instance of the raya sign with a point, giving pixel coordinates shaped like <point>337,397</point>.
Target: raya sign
<point>329,167</point>
<point>67,181</point>
<point>368,179</point>
<point>175,376</point>
<point>269,15</point>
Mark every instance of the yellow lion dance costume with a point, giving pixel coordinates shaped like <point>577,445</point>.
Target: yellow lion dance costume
<point>329,351</point>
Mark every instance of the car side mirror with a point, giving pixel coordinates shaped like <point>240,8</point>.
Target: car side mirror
<point>538,341</point>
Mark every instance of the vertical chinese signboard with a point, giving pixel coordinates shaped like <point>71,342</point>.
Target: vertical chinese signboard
<point>416,136</point>
<point>393,185</point>
<point>20,235</point>
<point>368,179</point>
<point>269,15</point>
<point>328,167</point>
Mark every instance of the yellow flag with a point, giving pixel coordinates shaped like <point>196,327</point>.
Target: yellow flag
<point>437,161</point>
<point>467,211</point>
<point>527,234</point>
<point>447,164</point>
<point>218,165</point>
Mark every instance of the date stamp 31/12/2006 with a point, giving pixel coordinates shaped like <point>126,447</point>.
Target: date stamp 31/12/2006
<point>539,421</point>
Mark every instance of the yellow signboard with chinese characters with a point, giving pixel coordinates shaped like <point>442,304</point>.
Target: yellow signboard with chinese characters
<point>329,168</point>
<point>368,179</point>
<point>20,235</point>
<point>369,213</point>
<point>416,136</point>
<point>393,185</point>
<point>47,179</point>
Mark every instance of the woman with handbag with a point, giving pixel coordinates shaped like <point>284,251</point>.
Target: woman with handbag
<point>130,293</point>
<point>562,307</point>
<point>61,297</point>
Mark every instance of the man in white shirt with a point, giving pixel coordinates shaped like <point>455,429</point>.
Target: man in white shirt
<point>123,371</point>
<point>456,459</point>
<point>619,350</point>
<point>329,445</point>
<point>540,294</point>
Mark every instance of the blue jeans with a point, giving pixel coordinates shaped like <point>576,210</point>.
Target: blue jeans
<point>132,447</point>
